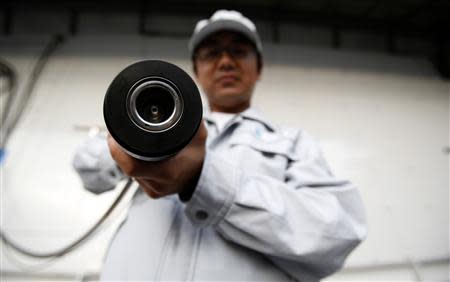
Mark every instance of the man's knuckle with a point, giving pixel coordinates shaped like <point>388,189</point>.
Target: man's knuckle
<point>130,169</point>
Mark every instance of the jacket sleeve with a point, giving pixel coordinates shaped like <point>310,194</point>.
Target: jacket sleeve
<point>95,166</point>
<point>307,225</point>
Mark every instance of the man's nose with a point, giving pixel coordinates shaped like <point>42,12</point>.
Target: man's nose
<point>226,61</point>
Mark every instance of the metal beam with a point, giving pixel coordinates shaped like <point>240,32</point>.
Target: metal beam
<point>286,12</point>
<point>74,22</point>
<point>336,37</point>
<point>7,20</point>
<point>390,42</point>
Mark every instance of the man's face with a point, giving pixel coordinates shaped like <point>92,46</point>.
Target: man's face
<point>227,70</point>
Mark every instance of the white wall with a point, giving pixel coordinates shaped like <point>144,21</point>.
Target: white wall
<point>383,122</point>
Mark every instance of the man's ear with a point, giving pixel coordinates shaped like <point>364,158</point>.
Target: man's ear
<point>260,69</point>
<point>259,64</point>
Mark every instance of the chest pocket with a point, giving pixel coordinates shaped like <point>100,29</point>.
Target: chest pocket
<point>267,154</point>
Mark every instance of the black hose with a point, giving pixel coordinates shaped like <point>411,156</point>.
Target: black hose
<point>9,124</point>
<point>7,72</point>
<point>59,253</point>
<point>10,120</point>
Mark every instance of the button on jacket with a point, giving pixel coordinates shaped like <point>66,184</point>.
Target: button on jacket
<point>266,208</point>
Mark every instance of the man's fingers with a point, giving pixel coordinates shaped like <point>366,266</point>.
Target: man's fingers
<point>165,177</point>
<point>121,158</point>
<point>129,165</point>
<point>201,135</point>
<point>149,187</point>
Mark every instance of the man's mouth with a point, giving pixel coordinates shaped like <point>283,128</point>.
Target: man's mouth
<point>227,79</point>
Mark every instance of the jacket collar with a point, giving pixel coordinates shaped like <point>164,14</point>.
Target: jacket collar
<point>250,113</point>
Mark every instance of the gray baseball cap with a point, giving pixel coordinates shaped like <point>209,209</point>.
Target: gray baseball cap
<point>225,20</point>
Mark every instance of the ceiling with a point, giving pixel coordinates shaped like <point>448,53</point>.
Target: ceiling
<point>409,17</point>
<point>426,20</point>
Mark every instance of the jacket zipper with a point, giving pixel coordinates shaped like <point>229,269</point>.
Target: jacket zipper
<point>194,256</point>
<point>167,242</point>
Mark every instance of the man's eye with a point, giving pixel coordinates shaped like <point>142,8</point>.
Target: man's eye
<point>213,53</point>
<point>239,52</point>
<point>209,54</point>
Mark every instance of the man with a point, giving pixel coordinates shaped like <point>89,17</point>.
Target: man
<point>245,200</point>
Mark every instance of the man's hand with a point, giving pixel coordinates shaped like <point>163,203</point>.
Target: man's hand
<point>166,177</point>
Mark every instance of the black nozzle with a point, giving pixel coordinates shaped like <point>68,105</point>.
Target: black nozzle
<point>152,109</point>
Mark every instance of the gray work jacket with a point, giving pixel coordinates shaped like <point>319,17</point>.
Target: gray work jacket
<point>266,208</point>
